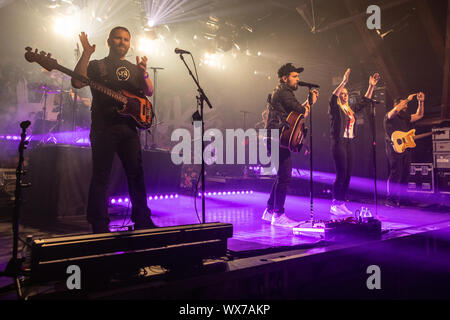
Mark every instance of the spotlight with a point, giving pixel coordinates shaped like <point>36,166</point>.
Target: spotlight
<point>65,26</point>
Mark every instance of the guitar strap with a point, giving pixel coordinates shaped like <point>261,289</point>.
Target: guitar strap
<point>281,114</point>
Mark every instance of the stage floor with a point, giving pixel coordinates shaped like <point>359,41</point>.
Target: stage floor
<point>250,232</point>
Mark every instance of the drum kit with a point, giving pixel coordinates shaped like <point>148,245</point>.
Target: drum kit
<point>58,107</point>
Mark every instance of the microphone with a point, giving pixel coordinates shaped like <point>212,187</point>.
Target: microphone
<point>306,84</point>
<point>181,51</point>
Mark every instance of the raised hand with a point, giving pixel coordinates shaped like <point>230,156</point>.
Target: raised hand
<point>411,96</point>
<point>373,80</point>
<point>403,104</point>
<point>421,97</point>
<point>315,95</point>
<point>346,76</point>
<point>87,47</point>
<point>142,63</point>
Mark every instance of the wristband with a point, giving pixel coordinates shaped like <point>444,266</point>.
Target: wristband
<point>146,75</point>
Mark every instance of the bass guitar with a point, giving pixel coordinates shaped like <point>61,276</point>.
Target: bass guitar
<point>132,106</point>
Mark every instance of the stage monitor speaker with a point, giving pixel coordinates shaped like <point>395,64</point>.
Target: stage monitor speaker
<point>117,252</point>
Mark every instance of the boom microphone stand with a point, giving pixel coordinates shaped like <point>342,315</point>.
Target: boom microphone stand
<point>201,98</point>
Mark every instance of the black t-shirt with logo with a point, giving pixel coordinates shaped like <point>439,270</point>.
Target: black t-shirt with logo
<point>117,75</point>
<point>400,122</point>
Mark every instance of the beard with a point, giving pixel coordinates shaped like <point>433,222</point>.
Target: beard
<point>120,50</point>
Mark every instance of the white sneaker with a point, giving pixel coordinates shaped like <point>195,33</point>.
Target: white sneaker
<point>283,221</point>
<point>267,215</point>
<point>340,210</point>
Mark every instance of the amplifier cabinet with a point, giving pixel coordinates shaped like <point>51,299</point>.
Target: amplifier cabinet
<point>441,160</point>
<point>440,134</point>
<point>421,178</point>
<point>441,146</point>
<point>443,181</point>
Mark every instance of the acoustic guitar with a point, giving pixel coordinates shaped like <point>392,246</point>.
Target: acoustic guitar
<point>132,106</point>
<point>292,137</point>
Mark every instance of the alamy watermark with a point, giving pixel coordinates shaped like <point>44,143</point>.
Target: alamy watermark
<point>374,281</point>
<point>214,151</point>
<point>74,279</point>
<point>374,21</point>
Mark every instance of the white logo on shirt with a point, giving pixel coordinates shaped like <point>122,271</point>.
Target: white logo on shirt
<point>123,74</point>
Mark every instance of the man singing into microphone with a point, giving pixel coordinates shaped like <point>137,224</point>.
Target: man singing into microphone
<point>281,102</point>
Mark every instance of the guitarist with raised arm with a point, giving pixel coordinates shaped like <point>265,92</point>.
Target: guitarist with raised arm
<point>399,163</point>
<point>111,133</point>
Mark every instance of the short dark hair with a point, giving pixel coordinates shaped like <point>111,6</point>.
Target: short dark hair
<point>118,28</point>
<point>286,69</point>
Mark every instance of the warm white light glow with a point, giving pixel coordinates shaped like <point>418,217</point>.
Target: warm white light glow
<point>214,60</point>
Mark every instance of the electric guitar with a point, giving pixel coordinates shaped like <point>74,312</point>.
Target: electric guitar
<point>292,137</point>
<point>132,106</point>
<point>403,140</point>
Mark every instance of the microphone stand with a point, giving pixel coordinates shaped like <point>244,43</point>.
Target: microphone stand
<point>311,157</point>
<point>153,146</point>
<point>201,98</point>
<point>75,97</point>
<point>244,114</point>
<point>310,228</point>
<point>14,267</point>
<point>374,152</point>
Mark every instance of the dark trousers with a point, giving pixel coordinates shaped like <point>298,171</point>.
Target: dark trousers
<point>399,166</point>
<point>279,188</point>
<point>343,154</point>
<point>123,140</point>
